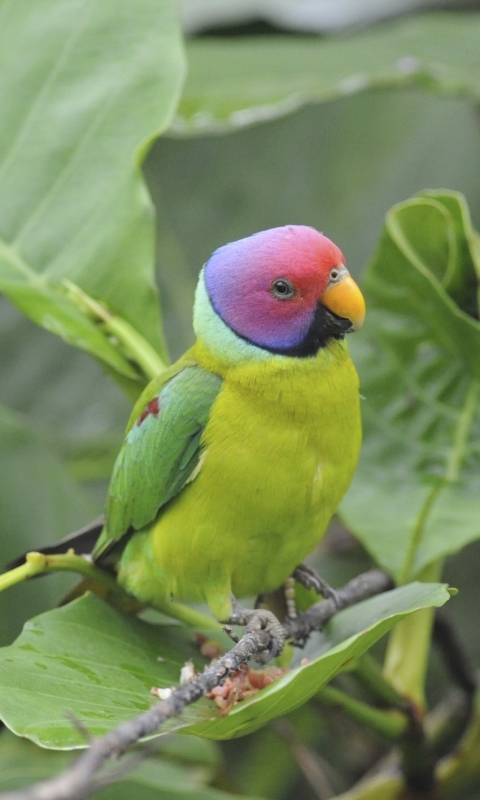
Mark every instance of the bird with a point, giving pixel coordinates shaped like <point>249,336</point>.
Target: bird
<point>236,457</point>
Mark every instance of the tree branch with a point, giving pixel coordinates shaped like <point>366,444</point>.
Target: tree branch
<point>85,776</point>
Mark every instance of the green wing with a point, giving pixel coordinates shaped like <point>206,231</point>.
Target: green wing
<point>161,449</point>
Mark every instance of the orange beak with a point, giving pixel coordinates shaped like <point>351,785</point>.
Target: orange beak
<point>346,300</point>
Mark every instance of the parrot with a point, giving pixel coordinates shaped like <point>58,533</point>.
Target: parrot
<point>236,457</point>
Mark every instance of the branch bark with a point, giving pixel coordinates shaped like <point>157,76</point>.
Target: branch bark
<point>86,775</point>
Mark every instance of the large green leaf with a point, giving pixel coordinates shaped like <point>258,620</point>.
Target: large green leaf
<point>349,634</point>
<point>99,664</point>
<point>180,771</point>
<point>39,504</point>
<point>237,82</point>
<point>90,660</point>
<point>84,86</point>
<point>415,496</point>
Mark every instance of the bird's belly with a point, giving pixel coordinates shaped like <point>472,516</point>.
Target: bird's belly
<point>239,530</point>
<point>256,509</point>
<point>276,509</point>
<point>269,483</point>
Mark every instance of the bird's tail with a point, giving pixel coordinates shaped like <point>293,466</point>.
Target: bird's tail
<point>122,601</point>
<point>81,541</point>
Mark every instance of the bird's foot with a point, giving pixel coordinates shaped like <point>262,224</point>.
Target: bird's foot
<point>311,580</point>
<point>260,619</point>
<point>289,594</point>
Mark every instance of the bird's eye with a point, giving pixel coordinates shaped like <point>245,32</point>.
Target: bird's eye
<point>334,274</point>
<point>283,289</point>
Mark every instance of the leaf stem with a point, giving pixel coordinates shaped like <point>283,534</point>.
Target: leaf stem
<point>407,652</point>
<point>452,470</point>
<point>369,674</point>
<point>462,432</point>
<point>417,535</point>
<point>19,574</point>
<point>39,564</point>
<point>134,345</point>
<point>190,616</point>
<point>409,645</point>
<point>390,724</point>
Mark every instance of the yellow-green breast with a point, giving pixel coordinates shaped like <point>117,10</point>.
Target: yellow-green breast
<point>279,452</point>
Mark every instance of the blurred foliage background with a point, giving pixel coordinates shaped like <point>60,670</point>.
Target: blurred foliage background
<point>337,165</point>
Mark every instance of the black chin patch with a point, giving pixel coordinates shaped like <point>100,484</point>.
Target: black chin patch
<point>324,326</point>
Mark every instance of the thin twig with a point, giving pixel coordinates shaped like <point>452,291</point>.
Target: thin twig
<point>361,588</point>
<point>309,762</point>
<point>85,776</point>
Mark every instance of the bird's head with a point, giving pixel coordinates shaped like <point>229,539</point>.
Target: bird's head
<point>285,291</point>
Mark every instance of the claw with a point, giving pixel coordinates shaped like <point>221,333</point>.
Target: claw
<point>262,619</point>
<point>233,636</point>
<point>310,580</point>
<point>289,591</point>
<point>259,619</point>
<point>332,594</point>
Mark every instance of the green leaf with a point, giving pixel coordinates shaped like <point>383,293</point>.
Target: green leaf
<point>39,504</point>
<point>92,661</point>
<point>22,762</point>
<point>383,786</point>
<point>84,87</point>
<point>349,634</point>
<point>174,776</point>
<point>462,768</point>
<point>87,659</point>
<point>415,496</point>
<point>65,394</point>
<point>455,774</point>
<point>237,82</point>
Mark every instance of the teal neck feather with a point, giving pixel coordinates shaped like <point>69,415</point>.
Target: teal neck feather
<point>218,337</point>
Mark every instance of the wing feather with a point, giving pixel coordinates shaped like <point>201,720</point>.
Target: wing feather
<point>161,450</point>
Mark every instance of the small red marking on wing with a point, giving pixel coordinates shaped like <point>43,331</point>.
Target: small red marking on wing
<point>152,408</point>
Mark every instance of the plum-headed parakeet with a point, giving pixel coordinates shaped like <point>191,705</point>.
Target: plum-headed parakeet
<point>236,457</point>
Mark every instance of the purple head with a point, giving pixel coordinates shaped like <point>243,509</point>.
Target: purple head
<point>267,287</point>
